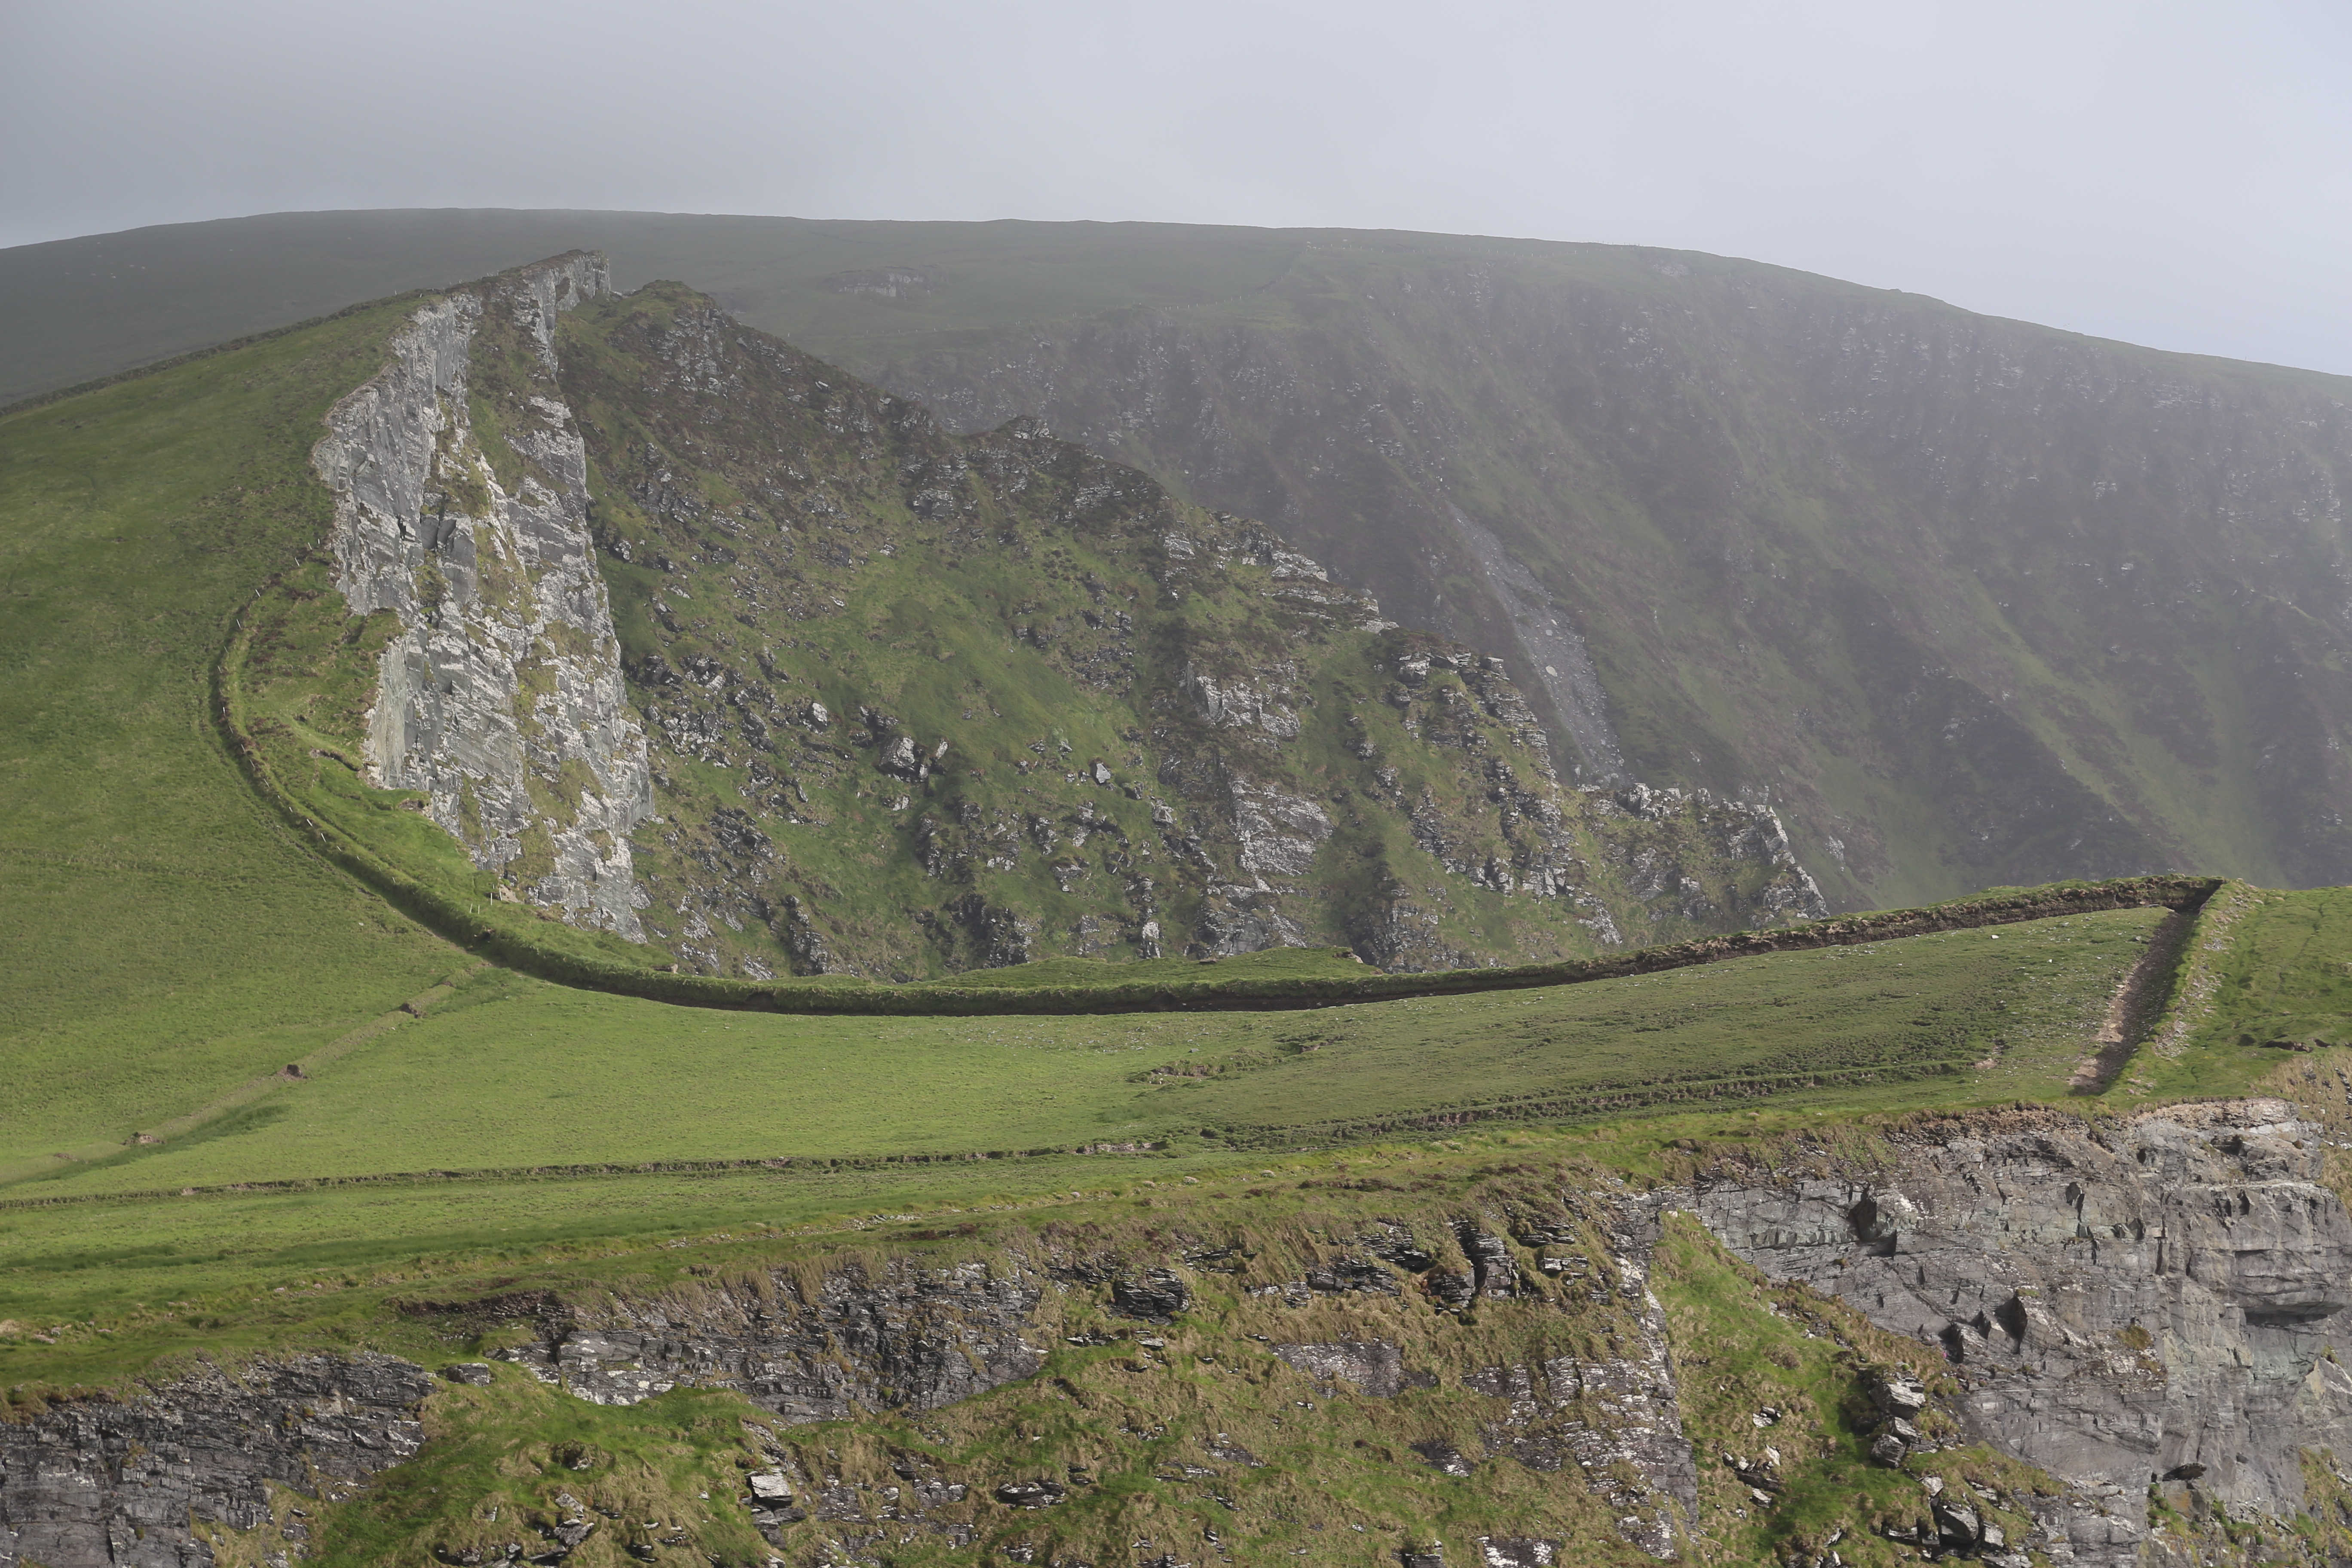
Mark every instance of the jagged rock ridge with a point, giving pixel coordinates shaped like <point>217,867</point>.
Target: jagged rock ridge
<point>501,695</point>
<point>1069,714</point>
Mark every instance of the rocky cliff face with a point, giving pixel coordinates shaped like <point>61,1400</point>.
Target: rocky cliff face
<point>138,1483</point>
<point>2143,1310</point>
<point>916,1337</point>
<point>2140,1313</point>
<point>913,1339</point>
<point>2146,1304</point>
<point>461,509</point>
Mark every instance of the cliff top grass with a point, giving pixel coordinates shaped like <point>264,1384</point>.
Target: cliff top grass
<point>1326,1475</point>
<point>507,1072</point>
<point>1324,1472</point>
<point>593,1124</point>
<point>99,1288</point>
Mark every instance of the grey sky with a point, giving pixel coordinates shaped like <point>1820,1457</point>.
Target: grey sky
<point>2169,173</point>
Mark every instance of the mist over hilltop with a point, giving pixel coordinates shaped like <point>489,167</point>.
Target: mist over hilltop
<point>1970,602</point>
<point>2152,173</point>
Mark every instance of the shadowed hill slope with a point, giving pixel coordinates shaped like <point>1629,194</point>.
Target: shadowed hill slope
<point>1969,600</point>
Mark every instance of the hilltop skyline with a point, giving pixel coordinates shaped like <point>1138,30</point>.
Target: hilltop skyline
<point>2145,173</point>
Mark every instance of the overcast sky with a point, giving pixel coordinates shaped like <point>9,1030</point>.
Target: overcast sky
<point>2170,173</point>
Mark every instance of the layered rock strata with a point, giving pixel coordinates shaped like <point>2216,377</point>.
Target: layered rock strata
<point>2142,1309</point>
<point>134,1483</point>
<point>2141,1304</point>
<point>501,695</point>
<point>913,1339</point>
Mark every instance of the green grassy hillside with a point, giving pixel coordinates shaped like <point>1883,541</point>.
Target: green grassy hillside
<point>1963,595</point>
<point>172,946</point>
<point>162,937</point>
<point>515,1073</point>
<point>249,1106</point>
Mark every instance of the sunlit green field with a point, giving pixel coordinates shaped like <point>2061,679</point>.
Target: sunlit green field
<point>515,1073</point>
<point>161,937</point>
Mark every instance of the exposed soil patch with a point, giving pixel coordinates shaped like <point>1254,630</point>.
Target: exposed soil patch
<point>2137,1003</point>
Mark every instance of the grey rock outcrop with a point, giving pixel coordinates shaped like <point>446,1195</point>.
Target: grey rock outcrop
<point>1618,1421</point>
<point>501,695</point>
<point>1277,832</point>
<point>1245,704</point>
<point>913,1339</point>
<point>126,1483</point>
<point>1373,1367</point>
<point>1736,830</point>
<point>2120,1301</point>
<point>1237,919</point>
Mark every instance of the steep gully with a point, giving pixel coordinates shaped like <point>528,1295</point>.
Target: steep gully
<point>2145,1305</point>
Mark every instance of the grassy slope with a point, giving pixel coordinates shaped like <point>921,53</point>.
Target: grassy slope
<point>2289,974</point>
<point>1837,592</point>
<point>2283,973</point>
<point>155,969</point>
<point>516,1073</point>
<point>165,941</point>
<point>163,937</point>
<point>1860,1024</point>
<point>156,972</point>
